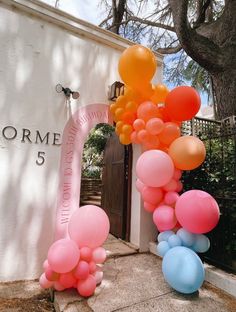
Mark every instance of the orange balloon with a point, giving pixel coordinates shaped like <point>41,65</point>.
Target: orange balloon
<point>113,108</point>
<point>118,113</point>
<point>169,133</point>
<point>131,106</point>
<point>187,152</point>
<point>148,110</point>
<point>119,126</point>
<point>152,143</point>
<point>182,103</point>
<point>137,65</point>
<point>146,90</point>
<point>160,93</point>
<point>124,139</point>
<point>128,117</point>
<point>127,129</point>
<point>121,101</point>
<point>133,95</point>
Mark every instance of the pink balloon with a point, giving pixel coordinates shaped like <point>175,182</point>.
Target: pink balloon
<point>63,255</point>
<point>155,168</point>
<point>152,195</point>
<point>98,277</point>
<point>139,185</point>
<point>171,186</point>
<point>164,218</point>
<point>177,174</point>
<point>99,255</point>
<point>45,265</point>
<point>92,267</point>
<point>171,198</point>
<point>89,226</point>
<point>82,270</point>
<point>44,282</point>
<point>154,126</point>
<point>86,254</point>
<point>51,275</point>
<point>58,286</point>
<point>67,280</point>
<point>149,207</point>
<point>197,211</point>
<point>87,287</point>
<point>179,186</point>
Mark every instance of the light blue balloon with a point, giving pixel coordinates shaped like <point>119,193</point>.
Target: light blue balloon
<point>188,238</point>
<point>183,270</point>
<point>163,236</point>
<point>202,243</point>
<point>174,241</point>
<point>162,248</point>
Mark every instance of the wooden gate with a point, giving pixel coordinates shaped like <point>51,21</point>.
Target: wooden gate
<point>116,186</point>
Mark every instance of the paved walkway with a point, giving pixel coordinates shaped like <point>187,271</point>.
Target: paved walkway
<point>134,282</point>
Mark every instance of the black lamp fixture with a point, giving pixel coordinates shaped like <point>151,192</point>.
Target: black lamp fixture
<point>67,91</point>
<point>116,89</point>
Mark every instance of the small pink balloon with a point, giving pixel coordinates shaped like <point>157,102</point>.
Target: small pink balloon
<point>171,186</point>
<point>152,195</point>
<point>82,270</point>
<point>63,255</point>
<point>171,198</point>
<point>154,126</point>
<point>67,280</point>
<point>87,287</point>
<point>89,226</point>
<point>155,168</point>
<point>51,275</point>
<point>86,254</point>
<point>139,185</point>
<point>149,207</point>
<point>197,211</point>
<point>45,264</point>
<point>44,282</point>
<point>92,267</point>
<point>164,218</point>
<point>179,186</point>
<point>177,174</point>
<point>98,277</point>
<point>99,255</point>
<point>58,286</point>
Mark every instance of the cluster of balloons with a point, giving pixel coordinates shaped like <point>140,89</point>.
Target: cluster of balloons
<point>151,116</point>
<point>76,261</point>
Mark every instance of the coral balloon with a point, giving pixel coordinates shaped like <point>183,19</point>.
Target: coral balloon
<point>187,152</point>
<point>51,275</point>
<point>143,136</point>
<point>86,254</point>
<point>67,280</point>
<point>134,138</point>
<point>82,270</point>
<point>169,133</point>
<point>164,218</point>
<point>137,65</point>
<point>152,195</point>
<point>154,126</point>
<point>197,211</point>
<point>148,110</point>
<point>171,198</point>
<point>87,287</point>
<point>154,168</point>
<point>63,255</point>
<point>171,186</point>
<point>89,226</point>
<point>182,103</point>
<point>139,124</point>
<point>149,207</point>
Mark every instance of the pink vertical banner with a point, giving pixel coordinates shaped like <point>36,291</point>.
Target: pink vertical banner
<point>74,136</point>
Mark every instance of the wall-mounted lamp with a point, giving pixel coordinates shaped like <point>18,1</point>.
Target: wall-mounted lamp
<point>67,91</point>
<point>116,89</point>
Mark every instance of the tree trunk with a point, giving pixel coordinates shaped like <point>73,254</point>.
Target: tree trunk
<point>224,86</point>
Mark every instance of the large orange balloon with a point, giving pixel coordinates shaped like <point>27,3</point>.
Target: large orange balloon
<point>187,152</point>
<point>182,103</point>
<point>137,66</point>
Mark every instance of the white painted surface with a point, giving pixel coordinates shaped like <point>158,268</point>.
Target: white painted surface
<point>41,47</point>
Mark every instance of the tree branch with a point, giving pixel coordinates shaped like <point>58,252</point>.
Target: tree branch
<point>150,23</point>
<point>201,49</point>
<point>105,20</point>
<point>170,50</point>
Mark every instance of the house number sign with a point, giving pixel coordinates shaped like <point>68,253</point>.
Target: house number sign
<point>25,135</point>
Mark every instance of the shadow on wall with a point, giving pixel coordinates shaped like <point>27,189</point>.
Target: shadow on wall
<point>34,57</point>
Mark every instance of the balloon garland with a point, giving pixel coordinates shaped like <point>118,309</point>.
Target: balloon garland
<point>151,115</point>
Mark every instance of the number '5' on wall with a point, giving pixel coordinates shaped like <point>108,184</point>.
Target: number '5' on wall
<point>41,158</point>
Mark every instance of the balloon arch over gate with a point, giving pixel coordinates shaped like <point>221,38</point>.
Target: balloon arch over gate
<point>151,116</point>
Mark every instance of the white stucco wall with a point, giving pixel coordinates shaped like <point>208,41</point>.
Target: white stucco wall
<point>41,47</point>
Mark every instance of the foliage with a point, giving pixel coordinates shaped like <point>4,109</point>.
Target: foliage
<point>93,150</point>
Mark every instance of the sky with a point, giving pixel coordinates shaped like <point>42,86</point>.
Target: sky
<point>90,11</point>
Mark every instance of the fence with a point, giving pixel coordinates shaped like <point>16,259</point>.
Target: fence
<point>217,176</point>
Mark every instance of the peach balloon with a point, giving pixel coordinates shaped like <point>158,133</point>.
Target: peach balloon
<point>139,124</point>
<point>155,126</point>
<point>137,65</point>
<point>187,152</point>
<point>169,133</point>
<point>134,138</point>
<point>143,136</point>
<point>148,110</point>
<point>171,186</point>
